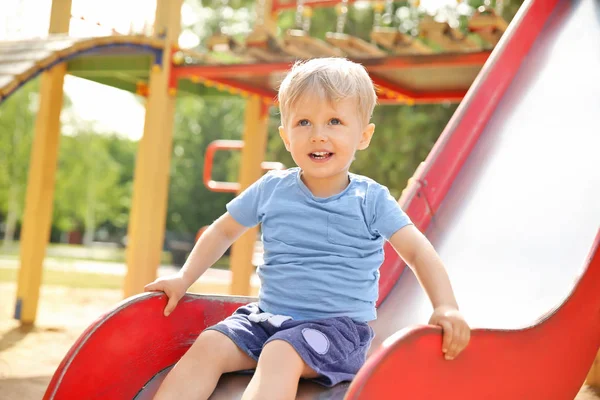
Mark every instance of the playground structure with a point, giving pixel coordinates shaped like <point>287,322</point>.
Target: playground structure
<point>428,68</point>
<point>483,154</point>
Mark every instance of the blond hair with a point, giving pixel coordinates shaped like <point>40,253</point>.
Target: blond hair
<point>332,79</point>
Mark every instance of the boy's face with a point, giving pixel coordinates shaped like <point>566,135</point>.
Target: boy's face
<point>323,137</point>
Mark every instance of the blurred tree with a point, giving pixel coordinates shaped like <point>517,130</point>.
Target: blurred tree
<point>17,121</point>
<point>197,123</point>
<point>122,151</point>
<point>87,185</point>
<point>403,137</point>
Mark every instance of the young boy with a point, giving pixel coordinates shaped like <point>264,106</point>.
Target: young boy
<point>323,232</point>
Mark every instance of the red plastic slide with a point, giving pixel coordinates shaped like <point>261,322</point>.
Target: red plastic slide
<point>509,196</point>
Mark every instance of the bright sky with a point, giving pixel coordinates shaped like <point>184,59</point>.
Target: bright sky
<point>110,109</point>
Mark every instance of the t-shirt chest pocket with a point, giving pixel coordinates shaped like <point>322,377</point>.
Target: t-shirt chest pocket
<point>345,230</point>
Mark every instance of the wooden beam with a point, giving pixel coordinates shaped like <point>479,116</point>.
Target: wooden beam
<point>593,377</point>
<point>253,152</point>
<point>236,87</point>
<point>60,16</point>
<point>279,5</point>
<point>40,194</point>
<point>39,198</point>
<point>389,91</point>
<point>150,190</point>
<point>372,65</point>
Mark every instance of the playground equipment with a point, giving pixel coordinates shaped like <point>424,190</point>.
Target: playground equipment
<point>220,41</point>
<point>489,197</point>
<point>391,38</point>
<point>351,45</point>
<point>450,39</point>
<point>228,187</point>
<point>156,68</point>
<point>488,23</point>
<point>298,41</point>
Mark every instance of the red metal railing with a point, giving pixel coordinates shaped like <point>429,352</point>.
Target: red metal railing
<point>228,187</point>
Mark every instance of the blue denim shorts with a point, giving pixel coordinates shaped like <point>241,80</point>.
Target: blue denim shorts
<point>335,348</point>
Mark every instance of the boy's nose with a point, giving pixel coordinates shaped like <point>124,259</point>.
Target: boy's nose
<point>318,137</point>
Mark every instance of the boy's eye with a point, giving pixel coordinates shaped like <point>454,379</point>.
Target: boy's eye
<point>303,122</point>
<point>335,121</point>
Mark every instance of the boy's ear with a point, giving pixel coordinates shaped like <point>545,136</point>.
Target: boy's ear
<point>366,136</point>
<point>284,137</point>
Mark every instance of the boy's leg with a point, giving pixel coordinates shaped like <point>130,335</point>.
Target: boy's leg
<point>195,376</point>
<point>331,350</point>
<point>279,369</point>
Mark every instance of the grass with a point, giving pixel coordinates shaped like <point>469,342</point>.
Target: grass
<point>86,280</point>
<point>70,279</point>
<point>66,255</point>
<point>62,251</point>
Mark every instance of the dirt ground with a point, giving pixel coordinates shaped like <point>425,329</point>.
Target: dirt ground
<point>29,357</point>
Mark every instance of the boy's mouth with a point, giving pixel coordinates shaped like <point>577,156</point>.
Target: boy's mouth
<point>320,155</point>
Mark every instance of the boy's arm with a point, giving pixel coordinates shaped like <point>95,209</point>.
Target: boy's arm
<point>207,250</point>
<point>421,257</point>
<point>211,246</point>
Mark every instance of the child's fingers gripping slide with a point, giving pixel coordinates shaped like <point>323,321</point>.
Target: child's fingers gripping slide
<point>173,286</point>
<point>456,332</point>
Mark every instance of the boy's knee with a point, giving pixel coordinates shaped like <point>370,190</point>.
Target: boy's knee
<point>282,350</point>
<point>211,341</point>
<point>210,344</point>
<point>218,350</point>
<point>279,352</point>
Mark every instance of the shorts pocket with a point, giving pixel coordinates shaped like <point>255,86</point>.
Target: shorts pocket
<point>345,230</point>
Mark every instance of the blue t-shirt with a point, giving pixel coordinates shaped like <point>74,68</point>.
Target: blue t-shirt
<point>321,255</point>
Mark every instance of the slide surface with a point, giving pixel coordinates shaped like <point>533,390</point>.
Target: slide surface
<point>521,216</point>
<point>509,197</point>
<point>517,229</point>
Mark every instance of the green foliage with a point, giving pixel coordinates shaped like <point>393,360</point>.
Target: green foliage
<point>198,122</point>
<point>122,151</point>
<point>17,120</point>
<point>94,174</point>
<point>235,18</point>
<point>94,180</point>
<point>403,137</point>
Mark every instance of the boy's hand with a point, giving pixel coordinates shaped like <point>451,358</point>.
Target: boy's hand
<point>456,330</point>
<point>174,287</point>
